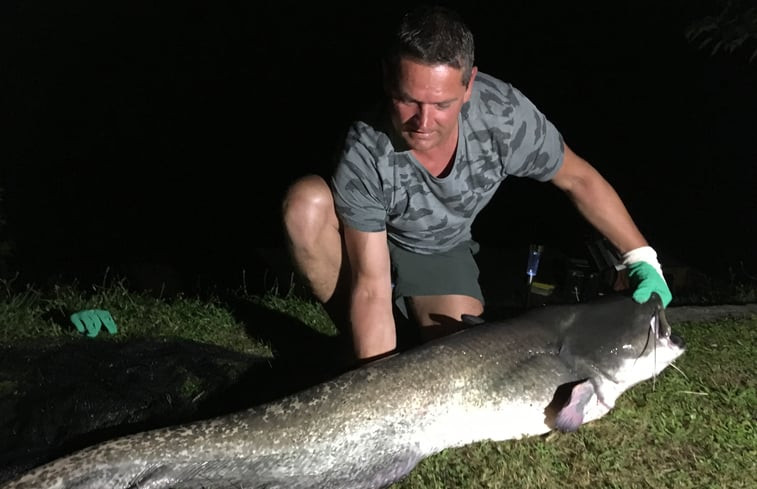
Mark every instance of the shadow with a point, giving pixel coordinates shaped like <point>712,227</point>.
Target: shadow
<point>57,396</point>
<point>302,357</point>
<point>445,325</point>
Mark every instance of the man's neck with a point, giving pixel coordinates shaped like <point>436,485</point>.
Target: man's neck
<point>438,160</point>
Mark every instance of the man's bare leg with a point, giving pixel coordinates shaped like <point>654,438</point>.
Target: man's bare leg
<point>312,232</point>
<point>315,244</point>
<point>440,315</point>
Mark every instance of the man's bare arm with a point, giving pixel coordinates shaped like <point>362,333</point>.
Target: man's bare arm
<point>598,202</point>
<point>371,316</point>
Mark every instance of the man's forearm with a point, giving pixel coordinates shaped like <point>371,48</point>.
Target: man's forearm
<point>601,206</point>
<point>597,202</point>
<point>373,328</point>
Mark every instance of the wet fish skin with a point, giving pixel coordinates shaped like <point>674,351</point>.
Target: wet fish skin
<point>371,426</point>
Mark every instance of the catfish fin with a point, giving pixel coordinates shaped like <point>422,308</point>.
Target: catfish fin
<point>571,415</point>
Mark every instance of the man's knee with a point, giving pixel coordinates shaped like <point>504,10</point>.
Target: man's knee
<point>307,194</point>
<point>313,236</point>
<point>307,207</point>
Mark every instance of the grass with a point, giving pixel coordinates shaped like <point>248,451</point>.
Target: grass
<point>691,428</point>
<point>32,314</point>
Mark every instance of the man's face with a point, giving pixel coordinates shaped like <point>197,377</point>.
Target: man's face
<point>426,101</point>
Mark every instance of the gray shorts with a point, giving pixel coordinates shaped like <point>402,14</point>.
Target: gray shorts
<point>452,272</point>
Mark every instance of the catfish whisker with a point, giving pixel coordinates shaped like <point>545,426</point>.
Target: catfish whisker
<point>653,327</point>
<point>679,370</point>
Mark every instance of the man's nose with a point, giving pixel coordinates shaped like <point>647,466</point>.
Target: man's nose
<point>423,116</point>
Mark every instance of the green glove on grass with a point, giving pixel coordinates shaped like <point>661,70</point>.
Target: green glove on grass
<point>645,274</point>
<point>92,320</point>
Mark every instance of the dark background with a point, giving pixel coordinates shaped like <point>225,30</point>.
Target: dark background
<point>167,132</point>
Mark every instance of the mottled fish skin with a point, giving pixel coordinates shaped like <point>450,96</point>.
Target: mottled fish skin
<point>371,426</point>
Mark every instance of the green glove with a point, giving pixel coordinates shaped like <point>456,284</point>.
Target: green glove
<point>645,273</point>
<point>647,280</point>
<point>93,320</point>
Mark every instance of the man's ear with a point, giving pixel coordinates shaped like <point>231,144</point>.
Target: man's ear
<point>473,73</point>
<point>469,88</point>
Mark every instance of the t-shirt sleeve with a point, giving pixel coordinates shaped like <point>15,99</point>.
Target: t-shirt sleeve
<point>356,184</point>
<point>536,147</point>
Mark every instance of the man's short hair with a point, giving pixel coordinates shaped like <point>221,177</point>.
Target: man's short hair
<point>432,35</point>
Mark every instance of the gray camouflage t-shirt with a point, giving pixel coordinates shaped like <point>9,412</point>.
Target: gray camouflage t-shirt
<point>378,184</point>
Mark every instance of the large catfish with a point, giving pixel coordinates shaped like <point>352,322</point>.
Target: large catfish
<point>552,368</point>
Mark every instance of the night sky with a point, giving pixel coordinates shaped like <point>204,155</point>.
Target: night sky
<point>167,132</point>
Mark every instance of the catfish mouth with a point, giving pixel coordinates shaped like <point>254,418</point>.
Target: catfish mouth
<point>662,330</point>
<point>661,345</point>
<point>677,341</point>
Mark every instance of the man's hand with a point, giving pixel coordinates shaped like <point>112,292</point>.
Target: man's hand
<point>645,274</point>
<point>93,320</point>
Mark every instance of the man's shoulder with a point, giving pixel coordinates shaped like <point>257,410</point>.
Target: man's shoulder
<point>486,80</point>
<point>372,130</point>
<point>491,94</point>
<point>488,84</point>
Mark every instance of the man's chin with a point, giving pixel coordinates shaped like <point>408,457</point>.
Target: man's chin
<point>419,143</point>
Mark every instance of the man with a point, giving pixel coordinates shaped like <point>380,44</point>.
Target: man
<point>394,223</point>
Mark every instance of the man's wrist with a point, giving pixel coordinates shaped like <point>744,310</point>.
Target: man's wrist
<point>646,254</point>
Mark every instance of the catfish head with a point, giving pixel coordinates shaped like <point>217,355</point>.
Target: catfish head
<point>614,344</point>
